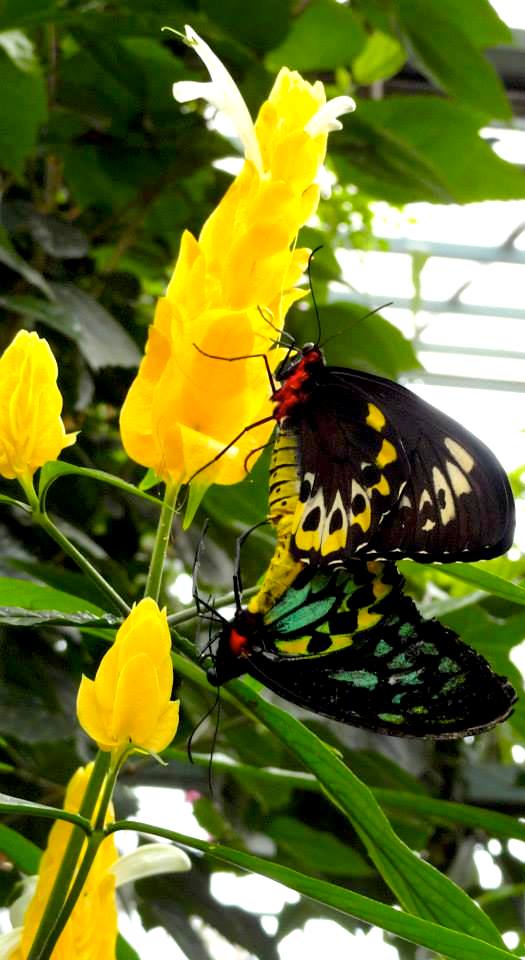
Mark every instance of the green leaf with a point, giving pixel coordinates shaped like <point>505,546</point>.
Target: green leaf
<point>404,149</point>
<point>353,338</point>
<point>43,600</point>
<point>381,58</point>
<point>325,36</point>
<point>418,886</point>
<point>476,575</point>
<point>29,809</point>
<point>23,108</point>
<point>18,617</point>
<point>20,851</point>
<point>446,812</point>
<point>317,851</point>
<point>101,339</point>
<point>478,19</point>
<point>54,469</point>
<point>450,58</point>
<point>260,26</point>
<point>14,261</point>
<point>124,950</point>
<point>443,940</point>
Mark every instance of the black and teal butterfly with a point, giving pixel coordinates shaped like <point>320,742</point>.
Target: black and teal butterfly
<point>347,643</point>
<point>382,474</point>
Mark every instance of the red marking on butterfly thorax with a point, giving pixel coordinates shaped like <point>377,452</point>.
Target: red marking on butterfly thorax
<point>238,643</point>
<point>297,385</point>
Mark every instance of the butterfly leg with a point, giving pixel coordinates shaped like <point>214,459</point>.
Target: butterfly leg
<point>248,356</point>
<point>252,426</point>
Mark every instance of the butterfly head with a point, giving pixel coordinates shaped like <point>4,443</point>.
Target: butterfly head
<point>235,642</point>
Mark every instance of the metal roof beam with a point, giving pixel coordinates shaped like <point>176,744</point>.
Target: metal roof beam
<point>506,253</point>
<point>430,306</point>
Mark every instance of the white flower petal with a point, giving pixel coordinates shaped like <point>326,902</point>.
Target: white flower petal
<point>19,906</point>
<point>149,860</point>
<point>9,942</point>
<point>326,120</point>
<point>223,93</point>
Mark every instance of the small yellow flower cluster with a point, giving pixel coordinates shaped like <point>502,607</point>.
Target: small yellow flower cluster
<point>184,408</point>
<point>31,429</point>
<point>91,930</point>
<point>128,703</point>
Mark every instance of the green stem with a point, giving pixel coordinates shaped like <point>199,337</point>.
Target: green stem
<point>114,598</point>
<point>191,613</point>
<point>46,950</point>
<point>43,520</point>
<point>160,547</point>
<point>66,870</point>
<point>93,845</point>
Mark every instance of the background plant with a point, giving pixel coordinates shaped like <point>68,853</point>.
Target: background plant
<point>102,172</point>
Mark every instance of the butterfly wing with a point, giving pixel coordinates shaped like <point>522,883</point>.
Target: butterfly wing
<point>385,474</point>
<point>349,645</point>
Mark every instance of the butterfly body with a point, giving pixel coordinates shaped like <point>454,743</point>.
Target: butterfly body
<point>348,644</point>
<point>383,474</point>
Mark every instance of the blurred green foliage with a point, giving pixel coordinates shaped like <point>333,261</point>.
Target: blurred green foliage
<point>102,171</point>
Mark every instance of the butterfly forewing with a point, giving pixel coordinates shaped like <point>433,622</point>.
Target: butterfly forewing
<point>384,474</point>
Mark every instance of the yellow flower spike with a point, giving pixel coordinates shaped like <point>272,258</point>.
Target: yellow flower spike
<point>231,288</point>
<point>31,429</point>
<point>128,703</point>
<point>91,930</point>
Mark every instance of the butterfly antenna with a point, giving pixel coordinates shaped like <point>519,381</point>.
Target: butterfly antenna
<point>196,567</point>
<point>199,725</point>
<point>214,741</point>
<point>312,291</point>
<point>354,323</point>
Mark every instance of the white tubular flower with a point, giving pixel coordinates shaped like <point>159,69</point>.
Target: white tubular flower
<point>223,93</point>
<point>149,860</point>
<point>325,120</point>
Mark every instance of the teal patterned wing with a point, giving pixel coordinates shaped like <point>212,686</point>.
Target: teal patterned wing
<point>350,645</point>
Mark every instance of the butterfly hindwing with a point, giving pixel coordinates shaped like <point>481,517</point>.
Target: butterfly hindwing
<point>348,644</point>
<point>383,474</point>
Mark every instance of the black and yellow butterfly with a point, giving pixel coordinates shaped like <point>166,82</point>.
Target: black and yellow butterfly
<point>348,644</point>
<point>383,474</point>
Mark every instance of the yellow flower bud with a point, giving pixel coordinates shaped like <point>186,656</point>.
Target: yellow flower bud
<point>128,703</point>
<point>31,429</point>
<point>231,288</point>
<point>91,930</point>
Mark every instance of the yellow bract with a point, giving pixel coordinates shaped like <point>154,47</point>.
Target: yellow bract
<point>91,930</point>
<point>230,289</point>
<point>128,703</point>
<point>31,429</point>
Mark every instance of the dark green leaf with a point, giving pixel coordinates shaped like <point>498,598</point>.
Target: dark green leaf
<point>22,110</point>
<point>15,262</point>
<point>20,851</point>
<point>317,851</point>
<point>457,67</point>
<point>478,19</point>
<point>419,887</point>
<point>124,950</point>
<point>325,35</point>
<point>18,617</point>
<point>32,596</point>
<point>404,149</point>
<point>443,940</point>
<point>101,339</point>
<point>260,25</point>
